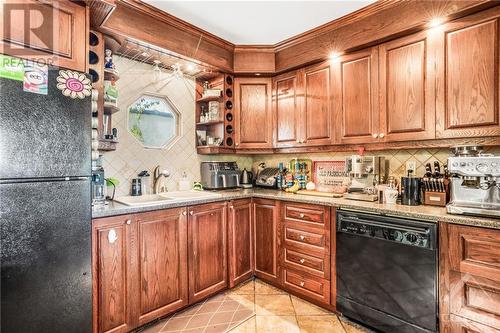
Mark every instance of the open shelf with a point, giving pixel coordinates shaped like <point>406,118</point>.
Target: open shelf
<point>110,108</point>
<point>111,75</point>
<point>208,150</point>
<point>212,122</point>
<point>107,145</point>
<point>208,99</point>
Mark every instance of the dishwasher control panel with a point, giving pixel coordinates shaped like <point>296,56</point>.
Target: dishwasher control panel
<point>391,229</point>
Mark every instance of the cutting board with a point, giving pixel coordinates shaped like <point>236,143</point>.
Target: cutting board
<point>320,194</point>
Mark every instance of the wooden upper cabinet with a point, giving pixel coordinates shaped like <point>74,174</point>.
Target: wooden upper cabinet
<point>207,250</point>
<point>253,114</point>
<point>287,109</point>
<point>111,257</point>
<point>317,118</point>
<point>407,88</point>
<point>266,240</point>
<point>355,96</point>
<point>55,31</point>
<point>162,258</point>
<point>240,240</point>
<point>469,69</point>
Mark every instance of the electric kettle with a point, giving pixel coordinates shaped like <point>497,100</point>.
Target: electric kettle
<point>246,180</point>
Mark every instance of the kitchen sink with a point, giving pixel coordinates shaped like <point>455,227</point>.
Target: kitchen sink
<point>155,199</point>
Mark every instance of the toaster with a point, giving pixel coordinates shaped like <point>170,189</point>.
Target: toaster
<point>267,178</point>
<point>219,175</point>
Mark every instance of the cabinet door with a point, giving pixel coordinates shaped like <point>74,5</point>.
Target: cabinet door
<point>253,114</point>
<point>469,73</point>
<point>287,109</point>
<point>111,258</point>
<point>57,35</point>
<point>355,95</point>
<point>240,239</point>
<point>266,240</point>
<point>407,88</point>
<point>162,259</point>
<point>317,112</point>
<point>207,250</point>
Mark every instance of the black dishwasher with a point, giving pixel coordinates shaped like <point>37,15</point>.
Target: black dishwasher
<point>387,272</point>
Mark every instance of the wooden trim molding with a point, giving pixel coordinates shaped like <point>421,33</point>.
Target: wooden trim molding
<point>375,23</point>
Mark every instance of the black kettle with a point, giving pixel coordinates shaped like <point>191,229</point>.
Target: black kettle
<point>246,178</point>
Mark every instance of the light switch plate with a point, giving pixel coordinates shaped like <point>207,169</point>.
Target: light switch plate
<point>411,165</point>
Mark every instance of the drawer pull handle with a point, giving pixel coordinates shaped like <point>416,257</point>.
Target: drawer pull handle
<point>302,260</point>
<point>302,237</point>
<point>301,215</point>
<point>302,283</point>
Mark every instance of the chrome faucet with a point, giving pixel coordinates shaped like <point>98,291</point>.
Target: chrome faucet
<point>158,185</point>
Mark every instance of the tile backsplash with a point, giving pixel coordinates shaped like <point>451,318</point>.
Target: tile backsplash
<point>131,157</point>
<point>397,158</point>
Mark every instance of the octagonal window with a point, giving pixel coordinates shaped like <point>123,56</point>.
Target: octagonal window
<point>154,121</point>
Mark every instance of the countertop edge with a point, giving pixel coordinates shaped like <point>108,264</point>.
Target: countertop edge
<point>425,213</point>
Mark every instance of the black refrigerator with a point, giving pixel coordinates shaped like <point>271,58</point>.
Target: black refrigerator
<point>45,208</point>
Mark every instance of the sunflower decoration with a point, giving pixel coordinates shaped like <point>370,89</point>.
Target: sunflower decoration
<point>74,84</point>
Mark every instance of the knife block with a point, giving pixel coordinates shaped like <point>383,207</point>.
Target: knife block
<point>438,198</point>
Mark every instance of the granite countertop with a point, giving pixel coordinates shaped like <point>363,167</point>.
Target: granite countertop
<point>427,213</point>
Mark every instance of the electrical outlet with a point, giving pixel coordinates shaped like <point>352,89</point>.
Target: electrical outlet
<point>411,165</point>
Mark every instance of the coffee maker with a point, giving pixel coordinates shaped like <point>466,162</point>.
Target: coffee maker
<point>474,185</point>
<point>365,172</point>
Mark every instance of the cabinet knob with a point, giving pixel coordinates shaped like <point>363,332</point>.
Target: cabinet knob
<point>236,144</point>
<point>298,141</point>
<point>191,213</point>
<point>128,221</point>
<point>302,283</point>
<point>375,135</point>
<point>301,215</point>
<point>381,135</point>
<point>112,236</point>
<point>302,260</point>
<point>184,213</point>
<point>231,207</point>
<point>302,237</point>
<point>303,141</point>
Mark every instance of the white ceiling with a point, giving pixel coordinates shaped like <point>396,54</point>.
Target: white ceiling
<point>257,22</point>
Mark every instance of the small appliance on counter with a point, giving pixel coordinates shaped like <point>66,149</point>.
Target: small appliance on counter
<point>246,180</point>
<point>365,173</point>
<point>220,175</point>
<point>267,177</point>
<point>474,185</point>
<point>411,190</point>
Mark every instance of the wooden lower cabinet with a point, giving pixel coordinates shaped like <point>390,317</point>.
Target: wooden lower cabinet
<point>266,240</point>
<point>111,260</point>
<point>240,240</point>
<point>207,237</point>
<point>162,262</point>
<point>470,279</point>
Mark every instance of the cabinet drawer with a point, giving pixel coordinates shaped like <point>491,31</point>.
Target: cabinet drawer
<point>475,298</point>
<point>309,214</point>
<point>312,287</point>
<point>306,263</point>
<point>463,325</point>
<point>305,241</point>
<point>475,251</point>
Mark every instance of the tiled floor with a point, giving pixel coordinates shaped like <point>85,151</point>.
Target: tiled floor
<point>255,307</point>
